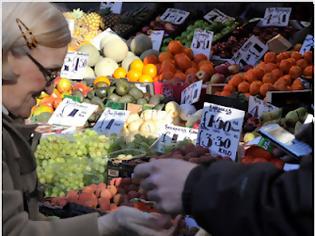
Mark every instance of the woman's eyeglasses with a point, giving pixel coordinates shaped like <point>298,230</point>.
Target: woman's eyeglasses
<point>49,74</point>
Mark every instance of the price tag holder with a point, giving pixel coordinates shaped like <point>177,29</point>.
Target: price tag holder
<point>156,38</point>
<point>308,44</point>
<point>217,16</point>
<point>191,94</point>
<point>220,129</point>
<point>71,113</point>
<point>201,42</point>
<point>175,16</point>
<point>171,134</point>
<point>73,65</point>
<point>276,16</point>
<point>111,121</point>
<point>257,107</point>
<point>251,52</point>
<point>115,7</point>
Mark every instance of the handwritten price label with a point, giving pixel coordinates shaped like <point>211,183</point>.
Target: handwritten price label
<point>73,65</point>
<point>278,16</point>
<point>175,16</point>
<point>156,38</point>
<point>201,42</point>
<point>191,94</point>
<point>220,129</point>
<point>217,16</point>
<point>257,107</point>
<point>111,121</point>
<point>251,52</point>
<point>71,113</point>
<point>115,7</point>
<point>171,134</point>
<point>308,44</point>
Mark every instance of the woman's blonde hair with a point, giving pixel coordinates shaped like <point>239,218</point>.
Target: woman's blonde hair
<point>46,23</point>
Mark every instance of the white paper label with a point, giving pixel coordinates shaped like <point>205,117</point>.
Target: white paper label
<point>71,113</point>
<point>290,167</point>
<point>220,129</point>
<point>115,7</point>
<point>111,121</point>
<point>251,52</point>
<point>257,107</point>
<point>156,38</point>
<point>70,25</point>
<point>201,42</point>
<point>278,16</point>
<point>171,134</point>
<point>175,16</point>
<point>191,94</point>
<point>308,44</point>
<point>217,16</point>
<point>73,65</point>
<point>96,41</point>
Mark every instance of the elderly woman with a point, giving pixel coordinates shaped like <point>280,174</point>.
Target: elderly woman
<point>34,44</point>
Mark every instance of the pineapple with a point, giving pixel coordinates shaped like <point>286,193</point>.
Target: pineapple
<point>92,20</point>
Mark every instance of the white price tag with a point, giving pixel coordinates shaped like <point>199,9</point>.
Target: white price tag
<point>257,107</point>
<point>175,16</point>
<point>220,129</point>
<point>73,65</point>
<point>308,44</point>
<point>70,25</point>
<point>171,134</point>
<point>217,16</point>
<point>71,113</point>
<point>156,38</point>
<point>251,52</point>
<point>111,121</point>
<point>276,16</point>
<point>191,94</point>
<point>115,7</point>
<point>201,42</point>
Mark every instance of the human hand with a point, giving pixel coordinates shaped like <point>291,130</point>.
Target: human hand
<point>132,222</point>
<point>164,181</point>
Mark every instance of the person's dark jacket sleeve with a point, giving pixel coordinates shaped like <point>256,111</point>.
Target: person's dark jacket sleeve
<point>234,199</point>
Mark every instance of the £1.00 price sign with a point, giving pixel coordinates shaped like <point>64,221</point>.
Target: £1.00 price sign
<point>175,16</point>
<point>71,113</point>
<point>74,64</point>
<point>220,129</point>
<point>276,16</point>
<point>111,121</point>
<point>201,42</point>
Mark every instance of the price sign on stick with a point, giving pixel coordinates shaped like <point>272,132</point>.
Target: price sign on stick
<point>111,121</point>
<point>201,42</point>
<point>278,16</point>
<point>251,52</point>
<point>73,65</point>
<point>71,113</point>
<point>257,107</point>
<point>115,7</point>
<point>156,38</point>
<point>175,16</point>
<point>220,129</point>
<point>308,44</point>
<point>191,94</point>
<point>217,16</point>
<point>171,134</point>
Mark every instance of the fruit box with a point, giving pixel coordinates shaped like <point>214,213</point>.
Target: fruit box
<point>122,169</point>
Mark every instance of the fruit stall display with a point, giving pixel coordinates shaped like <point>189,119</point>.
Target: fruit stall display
<point>88,171</point>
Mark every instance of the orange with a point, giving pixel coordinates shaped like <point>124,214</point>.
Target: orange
<point>308,56</point>
<point>151,59</point>
<point>149,69</point>
<point>165,55</point>
<point>276,73</point>
<point>270,57</point>
<point>136,65</point>
<point>243,87</point>
<point>296,55</point>
<point>133,75</point>
<point>145,79</point>
<point>285,66</point>
<point>302,63</point>
<point>308,71</point>
<point>268,78</point>
<point>120,73</point>
<point>102,79</point>
<point>295,71</point>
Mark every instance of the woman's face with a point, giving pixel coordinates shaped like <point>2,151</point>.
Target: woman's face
<point>19,96</point>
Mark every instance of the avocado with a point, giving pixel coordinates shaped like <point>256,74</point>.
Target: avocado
<point>101,92</point>
<point>111,90</point>
<point>127,99</point>
<point>121,90</point>
<point>155,100</point>
<point>114,97</point>
<point>101,85</point>
<point>91,94</point>
<point>141,101</point>
<point>136,93</point>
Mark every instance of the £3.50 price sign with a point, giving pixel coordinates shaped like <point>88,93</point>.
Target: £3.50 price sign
<point>220,129</point>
